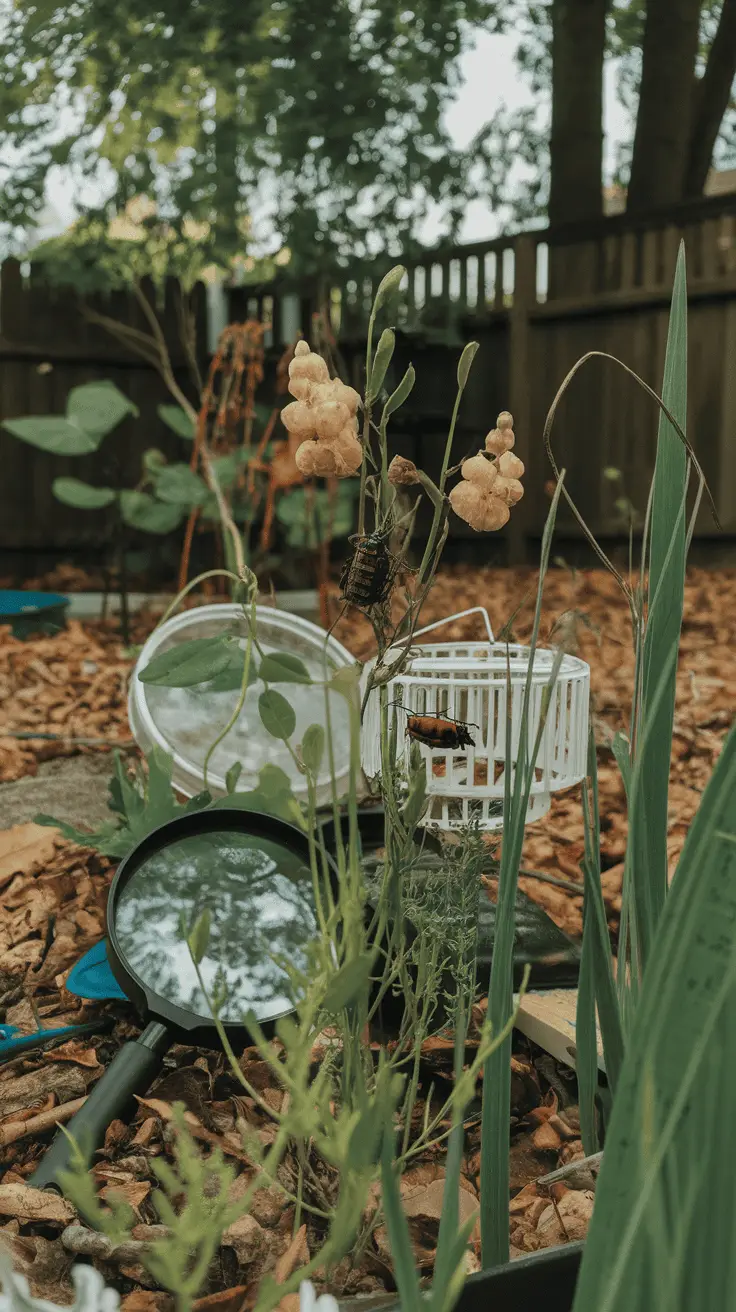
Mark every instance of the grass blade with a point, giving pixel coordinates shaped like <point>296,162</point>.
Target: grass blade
<point>586,1055</point>
<point>450,1220</point>
<point>496,1108</point>
<point>685,1013</point>
<point>598,945</point>
<point>405,1271</point>
<point>667,546</point>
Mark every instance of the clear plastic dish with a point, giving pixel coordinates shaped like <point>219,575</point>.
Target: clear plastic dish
<point>185,721</point>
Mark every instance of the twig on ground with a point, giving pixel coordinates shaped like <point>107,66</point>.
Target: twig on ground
<point>591,1163</point>
<point>14,1130</point>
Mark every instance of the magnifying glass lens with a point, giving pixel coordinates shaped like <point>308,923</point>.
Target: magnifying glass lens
<point>260,901</point>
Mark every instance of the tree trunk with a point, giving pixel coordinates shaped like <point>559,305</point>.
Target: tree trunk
<point>576,141</point>
<point>712,97</point>
<point>665,117</point>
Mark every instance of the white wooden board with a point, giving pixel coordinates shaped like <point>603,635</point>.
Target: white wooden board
<point>548,1018</point>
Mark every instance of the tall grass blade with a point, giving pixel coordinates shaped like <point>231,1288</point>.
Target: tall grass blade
<point>450,1220</point>
<point>405,1271</point>
<point>496,1109</point>
<point>656,1138</point>
<point>596,960</point>
<point>666,554</point>
<point>586,1054</point>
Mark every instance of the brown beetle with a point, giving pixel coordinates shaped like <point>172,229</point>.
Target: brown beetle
<point>438,731</point>
<point>368,575</point>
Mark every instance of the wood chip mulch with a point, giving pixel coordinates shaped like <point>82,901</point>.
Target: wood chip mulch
<point>52,900</point>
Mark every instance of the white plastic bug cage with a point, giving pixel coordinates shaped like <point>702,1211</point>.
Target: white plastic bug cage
<point>468,682</point>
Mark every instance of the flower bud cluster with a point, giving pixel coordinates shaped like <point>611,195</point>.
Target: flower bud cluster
<point>491,481</point>
<point>323,418</point>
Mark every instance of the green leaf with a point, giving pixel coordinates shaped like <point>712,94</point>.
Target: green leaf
<point>141,808</point>
<point>402,1251</point>
<point>416,800</point>
<point>648,819</point>
<point>349,982</point>
<point>364,1144</point>
<point>188,663</point>
<point>73,492</point>
<point>596,967</point>
<point>232,776</point>
<point>465,363</point>
<point>388,285</point>
<point>98,408</point>
<point>277,715</point>
<point>381,362</point>
<point>52,434</point>
<point>144,512</point>
<point>313,747</point>
<point>230,679</point>
<point>272,780</point>
<point>665,1132</point>
<point>200,936</point>
<point>153,460</point>
<point>346,680</point>
<point>310,523</point>
<point>282,667</point>
<point>398,397</point>
<point>620,747</point>
<point>178,485</point>
<point>273,796</point>
<point>177,420</point>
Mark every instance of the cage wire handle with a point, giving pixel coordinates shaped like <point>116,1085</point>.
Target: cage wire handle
<point>474,610</point>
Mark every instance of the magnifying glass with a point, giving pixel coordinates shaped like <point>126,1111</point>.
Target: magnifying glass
<point>251,873</point>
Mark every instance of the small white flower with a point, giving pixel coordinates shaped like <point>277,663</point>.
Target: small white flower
<point>308,1301</point>
<point>92,1295</point>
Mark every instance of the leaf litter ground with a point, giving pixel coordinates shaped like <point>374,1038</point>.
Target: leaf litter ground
<point>53,899</point>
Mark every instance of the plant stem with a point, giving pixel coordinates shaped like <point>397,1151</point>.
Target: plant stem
<point>122,571</point>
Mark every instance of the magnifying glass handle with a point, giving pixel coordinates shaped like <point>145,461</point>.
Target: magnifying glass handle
<point>132,1070</point>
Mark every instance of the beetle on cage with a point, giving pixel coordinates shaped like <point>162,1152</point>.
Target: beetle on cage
<point>438,731</point>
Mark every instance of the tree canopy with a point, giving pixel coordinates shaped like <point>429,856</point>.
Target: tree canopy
<point>326,117</point>
<point>201,104</point>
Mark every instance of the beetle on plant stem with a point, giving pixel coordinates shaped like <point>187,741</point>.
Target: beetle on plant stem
<point>438,731</point>
<point>368,574</point>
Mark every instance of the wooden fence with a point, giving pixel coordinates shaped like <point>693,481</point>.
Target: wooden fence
<point>536,303</point>
<point>47,347</point>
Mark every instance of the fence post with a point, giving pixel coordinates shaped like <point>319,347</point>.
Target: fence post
<point>726,497</point>
<point>525,297</point>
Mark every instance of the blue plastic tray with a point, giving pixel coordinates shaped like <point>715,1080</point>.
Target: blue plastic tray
<point>30,613</point>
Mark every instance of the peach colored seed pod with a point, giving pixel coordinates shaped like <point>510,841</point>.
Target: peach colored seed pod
<point>347,395</point>
<point>339,459</point>
<point>313,460</point>
<point>300,388</point>
<point>497,514</point>
<point>499,440</point>
<point>330,419</point>
<point>509,490</point>
<point>510,466</point>
<point>307,364</point>
<point>298,419</point>
<point>402,472</point>
<point>479,470</point>
<point>467,500</point>
<point>505,420</point>
<point>348,449</point>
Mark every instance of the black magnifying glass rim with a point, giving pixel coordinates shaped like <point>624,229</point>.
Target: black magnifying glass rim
<point>256,824</point>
